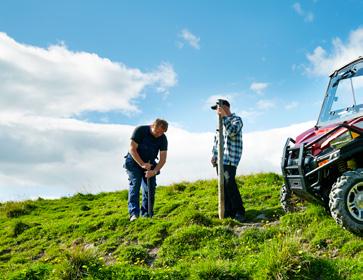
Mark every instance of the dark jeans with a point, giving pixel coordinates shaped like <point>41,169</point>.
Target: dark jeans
<point>233,202</point>
<point>137,179</point>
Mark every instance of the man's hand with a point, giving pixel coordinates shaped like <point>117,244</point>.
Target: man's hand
<point>214,161</point>
<point>146,166</point>
<point>150,173</point>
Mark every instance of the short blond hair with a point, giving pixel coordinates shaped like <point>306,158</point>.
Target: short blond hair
<point>161,123</point>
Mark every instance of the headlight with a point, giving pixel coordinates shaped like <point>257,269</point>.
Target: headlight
<point>335,145</point>
<point>343,139</point>
<point>328,158</point>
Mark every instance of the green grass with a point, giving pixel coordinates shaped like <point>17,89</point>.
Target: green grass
<point>89,237</point>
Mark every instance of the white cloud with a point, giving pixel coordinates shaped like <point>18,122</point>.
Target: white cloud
<point>190,39</point>
<point>263,149</point>
<point>43,151</point>
<point>265,104</point>
<point>51,157</point>
<point>58,82</point>
<point>307,15</point>
<point>258,87</point>
<point>323,63</point>
<point>291,105</point>
<point>298,9</point>
<point>64,156</point>
<point>67,154</point>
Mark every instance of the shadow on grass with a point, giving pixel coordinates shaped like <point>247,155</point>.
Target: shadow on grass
<point>267,214</point>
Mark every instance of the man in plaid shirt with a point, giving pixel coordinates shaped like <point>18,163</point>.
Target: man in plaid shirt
<point>232,153</point>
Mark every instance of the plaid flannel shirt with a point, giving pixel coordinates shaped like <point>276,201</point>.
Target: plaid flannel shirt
<point>233,144</point>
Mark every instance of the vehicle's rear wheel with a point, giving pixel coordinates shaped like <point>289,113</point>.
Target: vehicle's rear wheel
<point>286,199</point>
<point>346,201</point>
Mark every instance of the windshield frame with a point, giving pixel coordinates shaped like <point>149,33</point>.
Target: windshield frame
<point>326,115</point>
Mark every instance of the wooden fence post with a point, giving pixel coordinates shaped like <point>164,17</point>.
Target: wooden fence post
<point>220,168</point>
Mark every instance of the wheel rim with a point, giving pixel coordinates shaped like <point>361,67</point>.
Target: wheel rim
<point>355,201</point>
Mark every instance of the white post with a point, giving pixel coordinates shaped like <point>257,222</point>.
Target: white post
<point>220,169</point>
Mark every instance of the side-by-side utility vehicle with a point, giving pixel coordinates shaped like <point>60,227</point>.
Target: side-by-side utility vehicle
<point>325,163</point>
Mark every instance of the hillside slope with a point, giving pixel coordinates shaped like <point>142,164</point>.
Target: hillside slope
<point>90,237</point>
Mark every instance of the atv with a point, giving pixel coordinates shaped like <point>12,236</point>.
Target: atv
<point>325,163</point>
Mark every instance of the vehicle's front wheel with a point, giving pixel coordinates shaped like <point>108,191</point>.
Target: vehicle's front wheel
<point>346,201</point>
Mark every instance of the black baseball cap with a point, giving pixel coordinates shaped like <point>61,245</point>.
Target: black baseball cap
<point>220,102</point>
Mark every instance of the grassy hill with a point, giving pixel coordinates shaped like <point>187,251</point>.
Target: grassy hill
<point>90,237</point>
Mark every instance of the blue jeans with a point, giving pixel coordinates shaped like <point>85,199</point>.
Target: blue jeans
<point>137,179</point>
<point>232,197</point>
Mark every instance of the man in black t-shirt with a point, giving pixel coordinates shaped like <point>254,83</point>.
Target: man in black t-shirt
<point>147,142</point>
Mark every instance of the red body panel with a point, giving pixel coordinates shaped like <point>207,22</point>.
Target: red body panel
<point>313,133</point>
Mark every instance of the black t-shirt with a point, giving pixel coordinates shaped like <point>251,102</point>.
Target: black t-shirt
<point>148,145</point>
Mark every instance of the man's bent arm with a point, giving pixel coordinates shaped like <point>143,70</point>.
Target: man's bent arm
<point>135,155</point>
<point>161,162</point>
<point>232,125</point>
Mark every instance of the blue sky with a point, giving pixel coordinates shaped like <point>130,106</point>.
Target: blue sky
<point>82,67</point>
<point>240,43</point>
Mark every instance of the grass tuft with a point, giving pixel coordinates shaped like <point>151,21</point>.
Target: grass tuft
<point>19,228</point>
<point>80,262</point>
<point>134,254</point>
<point>218,271</point>
<point>17,209</point>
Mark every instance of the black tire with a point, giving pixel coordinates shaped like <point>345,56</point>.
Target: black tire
<point>345,201</point>
<point>286,199</point>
